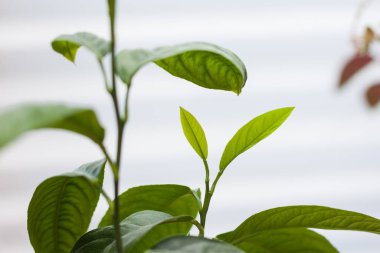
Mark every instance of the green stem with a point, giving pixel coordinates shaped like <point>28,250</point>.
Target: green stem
<point>126,110</point>
<point>107,197</point>
<point>199,227</point>
<point>104,74</point>
<point>120,126</point>
<point>207,180</point>
<point>110,161</point>
<point>208,197</point>
<point>203,211</point>
<point>220,173</point>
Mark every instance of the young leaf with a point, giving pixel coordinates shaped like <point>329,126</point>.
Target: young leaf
<point>204,64</point>
<point>285,241</point>
<point>373,95</point>
<point>24,118</point>
<point>302,217</point>
<point>172,199</point>
<point>252,133</point>
<point>353,66</point>
<point>140,231</point>
<point>191,244</point>
<point>62,206</point>
<point>194,133</point>
<point>68,45</point>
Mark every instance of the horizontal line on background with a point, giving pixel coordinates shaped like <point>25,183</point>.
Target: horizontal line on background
<point>241,24</point>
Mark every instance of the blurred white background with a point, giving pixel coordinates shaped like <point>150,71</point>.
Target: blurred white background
<point>327,153</point>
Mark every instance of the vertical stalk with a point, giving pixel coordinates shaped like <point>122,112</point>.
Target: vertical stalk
<point>208,197</point>
<point>120,126</point>
<point>206,202</point>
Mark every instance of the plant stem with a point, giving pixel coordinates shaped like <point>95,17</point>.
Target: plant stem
<point>104,74</point>
<point>208,196</point>
<point>120,126</point>
<point>108,157</point>
<point>207,180</point>
<point>108,199</point>
<point>204,209</point>
<point>199,227</point>
<point>126,107</point>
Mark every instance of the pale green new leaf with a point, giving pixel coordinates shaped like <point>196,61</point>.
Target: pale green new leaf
<point>299,240</point>
<point>252,133</point>
<point>62,206</point>
<point>191,244</point>
<point>68,45</point>
<point>140,231</point>
<point>302,217</point>
<point>18,120</point>
<point>204,64</point>
<point>172,199</point>
<point>194,133</point>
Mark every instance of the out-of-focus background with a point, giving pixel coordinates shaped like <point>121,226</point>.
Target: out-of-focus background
<point>327,153</point>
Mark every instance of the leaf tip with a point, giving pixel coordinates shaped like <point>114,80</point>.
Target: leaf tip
<point>182,110</point>
<point>287,111</point>
<point>291,108</point>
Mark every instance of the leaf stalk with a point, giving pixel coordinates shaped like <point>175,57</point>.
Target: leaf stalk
<point>208,196</point>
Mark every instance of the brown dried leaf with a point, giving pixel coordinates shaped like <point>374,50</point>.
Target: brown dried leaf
<point>354,65</point>
<point>373,95</point>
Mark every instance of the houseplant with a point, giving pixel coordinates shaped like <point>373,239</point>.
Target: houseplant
<point>158,218</point>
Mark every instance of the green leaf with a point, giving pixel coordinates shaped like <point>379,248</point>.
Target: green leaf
<point>286,241</point>
<point>197,195</point>
<point>194,133</point>
<point>302,217</point>
<point>24,118</point>
<point>140,231</point>
<point>68,45</point>
<point>191,244</point>
<point>62,206</point>
<point>204,64</point>
<point>252,133</point>
<point>128,62</point>
<point>95,240</point>
<point>172,199</point>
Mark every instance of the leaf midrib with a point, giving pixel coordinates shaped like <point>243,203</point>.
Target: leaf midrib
<point>251,143</point>
<point>197,141</point>
<point>56,216</point>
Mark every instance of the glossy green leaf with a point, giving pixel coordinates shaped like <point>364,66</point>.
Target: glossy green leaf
<point>172,199</point>
<point>62,206</point>
<point>24,118</point>
<point>285,241</point>
<point>140,231</point>
<point>204,64</point>
<point>302,217</point>
<point>252,133</point>
<point>194,133</point>
<point>191,244</point>
<point>68,45</point>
